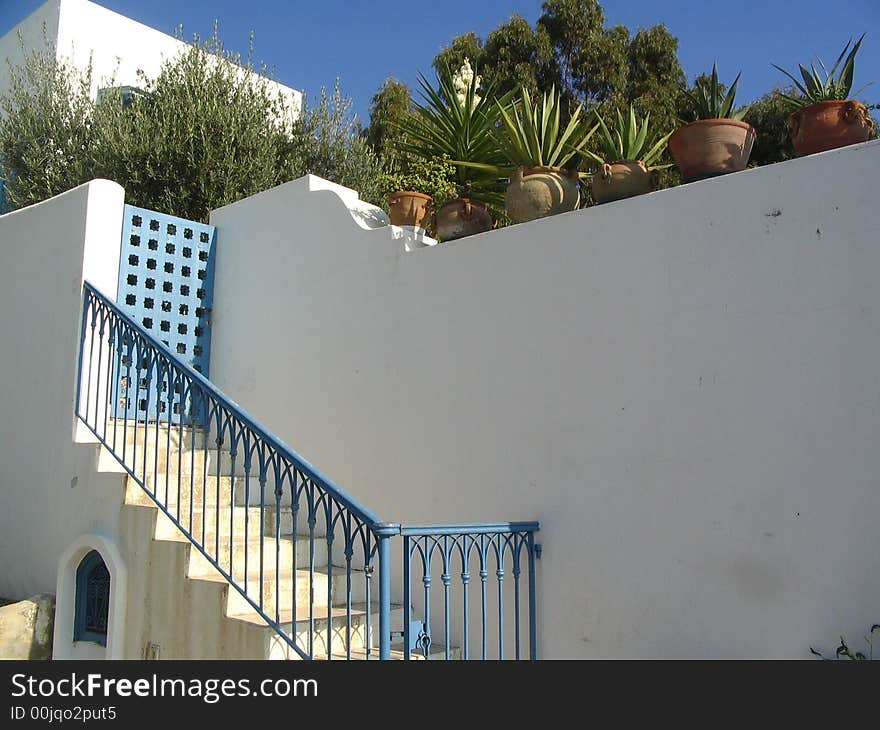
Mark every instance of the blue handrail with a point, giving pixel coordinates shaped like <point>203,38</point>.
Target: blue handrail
<point>222,397</point>
<point>302,516</point>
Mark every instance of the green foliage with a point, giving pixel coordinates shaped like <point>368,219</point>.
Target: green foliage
<point>456,123</point>
<point>532,136</point>
<point>201,135</point>
<point>628,139</point>
<point>430,176</point>
<point>844,652</point>
<point>388,108</point>
<point>769,115</point>
<point>327,140</point>
<point>824,86</point>
<point>708,101</point>
<point>513,55</point>
<point>592,59</point>
<point>571,50</point>
<point>47,143</point>
<point>516,55</point>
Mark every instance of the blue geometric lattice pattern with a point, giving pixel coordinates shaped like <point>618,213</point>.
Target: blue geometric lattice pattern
<point>166,282</point>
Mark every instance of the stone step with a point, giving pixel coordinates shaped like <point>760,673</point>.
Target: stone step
<point>397,654</point>
<point>124,433</point>
<point>335,617</point>
<point>245,521</point>
<point>278,589</point>
<point>200,490</point>
<point>283,560</point>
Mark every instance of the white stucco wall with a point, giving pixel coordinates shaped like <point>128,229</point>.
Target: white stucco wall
<point>118,46</point>
<point>50,492</point>
<point>681,387</point>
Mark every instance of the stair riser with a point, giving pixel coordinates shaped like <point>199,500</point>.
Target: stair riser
<point>283,597</point>
<point>199,565</point>
<point>173,437</point>
<point>245,522</point>
<point>276,649</point>
<point>200,489</point>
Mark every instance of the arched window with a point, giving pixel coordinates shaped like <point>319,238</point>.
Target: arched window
<point>92,599</point>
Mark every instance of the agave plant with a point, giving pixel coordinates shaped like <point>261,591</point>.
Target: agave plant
<point>457,124</point>
<point>628,139</point>
<point>825,86</point>
<point>710,102</point>
<point>531,135</point>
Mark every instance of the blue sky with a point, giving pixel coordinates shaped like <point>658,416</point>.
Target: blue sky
<point>311,42</point>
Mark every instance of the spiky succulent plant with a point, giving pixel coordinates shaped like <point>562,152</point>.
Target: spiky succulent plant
<point>709,101</point>
<point>628,139</point>
<point>815,85</point>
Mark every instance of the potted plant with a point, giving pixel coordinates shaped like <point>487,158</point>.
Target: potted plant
<point>627,156</point>
<point>718,141</point>
<point>539,155</point>
<point>455,123</point>
<point>413,185</point>
<point>824,116</point>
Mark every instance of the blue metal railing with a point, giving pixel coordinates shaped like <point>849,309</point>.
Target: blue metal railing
<point>257,512</point>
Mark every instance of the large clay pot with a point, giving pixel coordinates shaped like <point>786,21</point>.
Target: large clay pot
<point>409,208</point>
<point>827,125</point>
<point>535,192</point>
<point>711,147</point>
<point>621,179</point>
<point>461,217</point>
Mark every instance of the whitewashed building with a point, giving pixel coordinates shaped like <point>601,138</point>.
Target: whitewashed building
<point>118,47</point>
<point>646,429</point>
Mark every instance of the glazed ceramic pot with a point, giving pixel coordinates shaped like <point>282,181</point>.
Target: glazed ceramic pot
<point>536,192</point>
<point>462,217</point>
<point>621,179</point>
<point>827,125</point>
<point>409,208</point>
<point>712,147</point>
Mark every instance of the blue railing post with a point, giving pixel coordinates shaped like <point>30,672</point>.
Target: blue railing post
<point>384,531</point>
<point>533,628</point>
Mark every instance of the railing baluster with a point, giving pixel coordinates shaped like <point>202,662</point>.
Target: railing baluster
<point>277,545</point>
<point>499,574</point>
<point>516,550</point>
<point>445,577</point>
<point>483,575</point>
<point>407,597</point>
<point>91,361</point>
<point>329,587</point>
<point>465,585</point>
<point>311,522</point>
<point>368,585</point>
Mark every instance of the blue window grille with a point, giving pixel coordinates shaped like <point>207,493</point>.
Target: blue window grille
<point>166,284</point>
<point>92,600</point>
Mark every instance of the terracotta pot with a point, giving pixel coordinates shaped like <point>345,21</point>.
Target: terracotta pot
<point>535,192</point>
<point>711,147</point>
<point>827,125</point>
<point>462,217</point>
<point>409,208</point>
<point>621,179</point>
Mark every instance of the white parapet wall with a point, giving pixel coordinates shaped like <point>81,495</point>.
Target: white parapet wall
<point>683,389</point>
<point>50,492</point>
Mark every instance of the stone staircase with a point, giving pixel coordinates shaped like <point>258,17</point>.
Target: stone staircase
<point>297,581</point>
